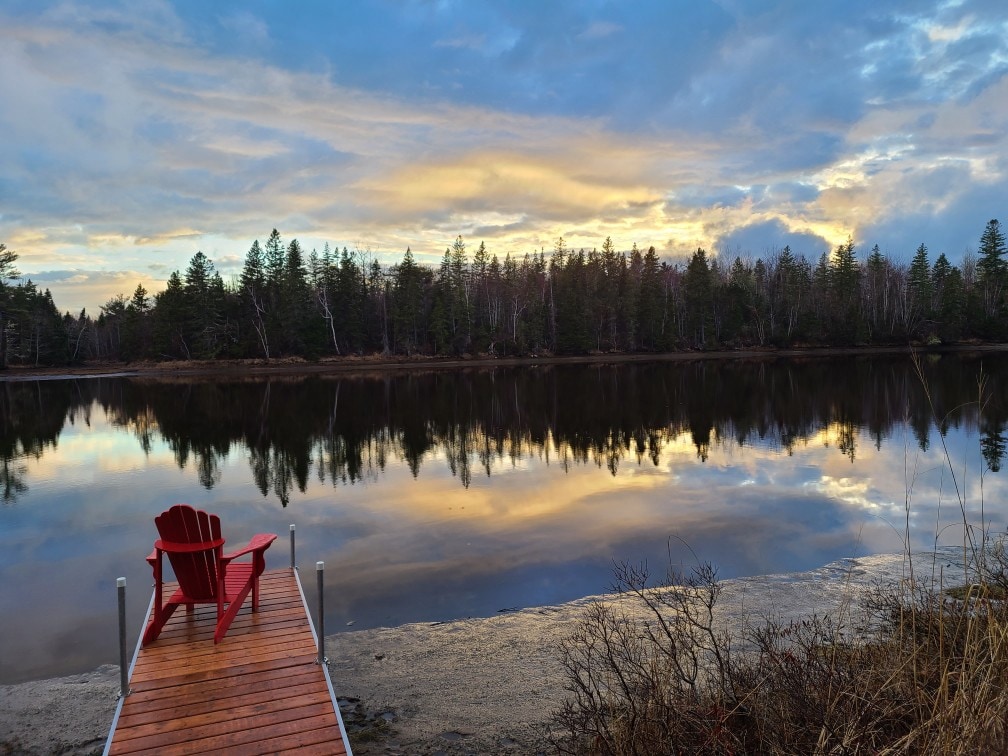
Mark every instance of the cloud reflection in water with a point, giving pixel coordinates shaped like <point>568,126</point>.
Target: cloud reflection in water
<point>437,496</point>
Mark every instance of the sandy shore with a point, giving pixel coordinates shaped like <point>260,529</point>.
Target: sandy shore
<point>470,686</point>
<point>66,715</point>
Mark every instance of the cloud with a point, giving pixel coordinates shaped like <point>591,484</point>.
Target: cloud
<point>472,42</point>
<point>89,289</point>
<point>138,133</point>
<point>704,195</point>
<point>600,30</point>
<point>553,189</point>
<point>246,26</point>
<point>952,228</point>
<point>767,237</point>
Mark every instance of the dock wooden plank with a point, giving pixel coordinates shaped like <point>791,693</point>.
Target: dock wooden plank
<point>228,658</point>
<point>260,690</point>
<point>195,706</point>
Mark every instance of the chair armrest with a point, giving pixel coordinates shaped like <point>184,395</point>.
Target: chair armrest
<point>186,548</point>
<point>259,542</point>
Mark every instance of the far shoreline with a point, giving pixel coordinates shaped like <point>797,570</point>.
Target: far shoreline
<point>378,363</point>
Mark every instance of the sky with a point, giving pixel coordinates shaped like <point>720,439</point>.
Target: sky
<point>136,133</point>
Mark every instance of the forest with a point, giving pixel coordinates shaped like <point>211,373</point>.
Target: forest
<point>289,303</point>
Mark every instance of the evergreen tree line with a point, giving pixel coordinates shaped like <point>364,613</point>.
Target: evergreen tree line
<point>286,303</point>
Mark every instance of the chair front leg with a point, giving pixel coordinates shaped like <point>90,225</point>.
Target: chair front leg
<point>158,586</point>
<point>160,615</point>
<point>221,587</point>
<point>258,567</point>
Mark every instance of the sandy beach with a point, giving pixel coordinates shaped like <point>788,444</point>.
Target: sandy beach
<point>470,686</point>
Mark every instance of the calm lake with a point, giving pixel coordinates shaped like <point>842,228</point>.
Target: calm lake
<point>454,493</point>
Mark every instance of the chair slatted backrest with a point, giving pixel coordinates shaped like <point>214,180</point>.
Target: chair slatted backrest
<point>195,572</point>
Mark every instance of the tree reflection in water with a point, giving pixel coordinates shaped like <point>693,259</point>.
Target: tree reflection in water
<point>344,428</point>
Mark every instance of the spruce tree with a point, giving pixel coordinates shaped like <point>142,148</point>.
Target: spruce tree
<point>949,298</point>
<point>699,298</point>
<point>7,272</point>
<point>993,274</point>
<point>920,287</point>
<point>992,252</point>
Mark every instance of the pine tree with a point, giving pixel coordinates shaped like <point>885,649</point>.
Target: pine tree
<point>408,331</point>
<point>460,297</point>
<point>324,282</point>
<point>650,323</point>
<point>844,285</point>
<point>295,329</point>
<point>171,316</point>
<point>844,272</point>
<point>992,251</point>
<point>253,295</point>
<point>480,285</point>
<point>570,306</point>
<point>41,340</point>
<point>495,304</point>
<point>351,302</point>
<point>875,290</point>
<point>7,271</point>
<point>135,333</point>
<point>699,299</point>
<point>613,264</point>
<point>442,321</point>
<point>202,298</point>
<point>949,298</point>
<point>791,281</point>
<point>920,293</point>
<point>274,260</point>
<point>629,295</point>
<point>920,272</point>
<point>740,306</point>
<point>992,270</point>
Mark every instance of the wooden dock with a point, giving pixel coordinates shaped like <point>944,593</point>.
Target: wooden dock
<point>260,690</point>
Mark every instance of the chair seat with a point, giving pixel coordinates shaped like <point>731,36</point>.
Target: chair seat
<point>238,575</point>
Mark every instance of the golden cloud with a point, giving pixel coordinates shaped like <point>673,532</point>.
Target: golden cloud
<point>508,182</point>
<point>168,236</point>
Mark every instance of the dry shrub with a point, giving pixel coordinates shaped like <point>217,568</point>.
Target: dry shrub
<point>651,673</point>
<point>636,682</point>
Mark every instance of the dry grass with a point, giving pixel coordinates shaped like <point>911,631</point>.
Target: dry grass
<point>930,678</point>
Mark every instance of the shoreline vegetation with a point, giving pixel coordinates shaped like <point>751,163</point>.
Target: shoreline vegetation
<point>915,666</point>
<point>378,363</point>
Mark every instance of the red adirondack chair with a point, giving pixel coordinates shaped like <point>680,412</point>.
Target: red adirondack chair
<point>206,575</point>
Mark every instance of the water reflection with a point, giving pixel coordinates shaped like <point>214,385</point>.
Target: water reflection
<point>445,494</point>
